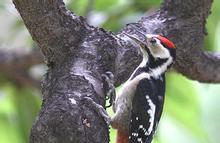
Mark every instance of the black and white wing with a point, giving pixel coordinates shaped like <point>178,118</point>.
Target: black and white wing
<point>147,106</point>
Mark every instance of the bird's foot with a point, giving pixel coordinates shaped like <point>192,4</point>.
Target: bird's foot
<point>108,84</point>
<point>97,108</point>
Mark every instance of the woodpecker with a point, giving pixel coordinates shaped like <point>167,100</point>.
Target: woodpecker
<point>138,105</point>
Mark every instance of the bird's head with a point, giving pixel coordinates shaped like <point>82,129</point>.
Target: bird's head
<point>156,45</point>
<point>158,53</point>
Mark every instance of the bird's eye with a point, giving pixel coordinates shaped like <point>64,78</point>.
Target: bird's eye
<point>153,41</point>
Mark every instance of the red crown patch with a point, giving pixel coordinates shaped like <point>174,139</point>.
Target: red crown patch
<point>166,42</point>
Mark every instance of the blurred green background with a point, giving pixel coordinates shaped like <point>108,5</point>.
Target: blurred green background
<point>192,109</point>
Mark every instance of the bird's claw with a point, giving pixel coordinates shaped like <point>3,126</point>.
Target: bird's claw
<point>98,108</point>
<point>108,80</point>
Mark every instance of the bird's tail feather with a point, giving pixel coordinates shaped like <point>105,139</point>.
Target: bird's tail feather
<point>122,137</point>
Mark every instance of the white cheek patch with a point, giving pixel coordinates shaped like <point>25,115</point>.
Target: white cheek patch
<point>162,53</point>
<point>159,51</point>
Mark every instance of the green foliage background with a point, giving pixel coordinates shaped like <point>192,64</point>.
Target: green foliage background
<point>191,112</point>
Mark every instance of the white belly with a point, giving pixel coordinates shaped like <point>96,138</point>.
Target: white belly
<point>123,102</point>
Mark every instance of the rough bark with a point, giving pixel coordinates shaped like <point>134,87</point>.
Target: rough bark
<point>77,54</point>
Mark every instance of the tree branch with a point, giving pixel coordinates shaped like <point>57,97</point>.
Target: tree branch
<point>77,55</point>
<point>15,66</point>
<point>184,23</point>
<point>10,60</point>
<point>188,32</point>
<point>208,67</point>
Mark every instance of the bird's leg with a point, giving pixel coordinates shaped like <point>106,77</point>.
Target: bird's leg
<point>109,88</point>
<point>89,102</point>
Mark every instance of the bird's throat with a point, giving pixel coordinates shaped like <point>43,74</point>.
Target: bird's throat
<point>157,67</point>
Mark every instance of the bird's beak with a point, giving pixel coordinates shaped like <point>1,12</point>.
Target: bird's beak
<point>136,40</point>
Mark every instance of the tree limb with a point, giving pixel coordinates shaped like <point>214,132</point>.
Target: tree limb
<point>77,54</point>
<point>10,60</point>
<point>188,31</point>
<point>184,23</point>
<point>15,65</point>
